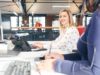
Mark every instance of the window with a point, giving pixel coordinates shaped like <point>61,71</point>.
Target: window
<point>14,22</point>
<point>20,21</point>
<point>30,21</point>
<point>88,20</point>
<point>40,19</point>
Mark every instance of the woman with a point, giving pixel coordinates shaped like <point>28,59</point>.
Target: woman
<point>69,34</point>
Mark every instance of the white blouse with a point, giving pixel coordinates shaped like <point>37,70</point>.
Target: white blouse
<point>67,40</point>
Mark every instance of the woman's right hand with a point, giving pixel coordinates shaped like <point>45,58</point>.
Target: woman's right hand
<point>54,56</point>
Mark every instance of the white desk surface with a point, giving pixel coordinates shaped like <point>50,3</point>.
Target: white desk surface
<point>45,73</point>
<point>26,56</point>
<point>4,63</point>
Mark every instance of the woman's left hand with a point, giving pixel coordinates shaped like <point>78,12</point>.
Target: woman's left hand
<point>54,56</point>
<point>47,65</point>
<point>37,45</point>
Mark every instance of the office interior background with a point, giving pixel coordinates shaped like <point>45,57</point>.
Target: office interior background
<point>19,17</point>
<point>13,13</point>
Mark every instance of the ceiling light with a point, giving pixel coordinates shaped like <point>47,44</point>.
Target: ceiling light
<point>57,6</point>
<point>15,13</point>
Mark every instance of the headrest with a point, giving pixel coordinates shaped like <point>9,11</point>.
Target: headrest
<point>92,6</point>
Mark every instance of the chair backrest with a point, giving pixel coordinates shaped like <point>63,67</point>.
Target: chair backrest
<point>89,43</point>
<point>93,40</point>
<point>81,29</point>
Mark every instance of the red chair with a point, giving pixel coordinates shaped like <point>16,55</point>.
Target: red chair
<point>81,29</point>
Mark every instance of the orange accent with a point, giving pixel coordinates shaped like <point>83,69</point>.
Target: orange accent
<point>38,24</point>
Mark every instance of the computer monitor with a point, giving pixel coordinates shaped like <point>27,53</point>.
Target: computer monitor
<point>1,33</point>
<point>88,20</point>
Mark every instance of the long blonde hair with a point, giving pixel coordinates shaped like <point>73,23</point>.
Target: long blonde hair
<point>71,23</point>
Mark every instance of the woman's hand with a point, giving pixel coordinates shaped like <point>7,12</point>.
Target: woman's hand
<point>47,65</point>
<point>37,45</point>
<point>54,56</point>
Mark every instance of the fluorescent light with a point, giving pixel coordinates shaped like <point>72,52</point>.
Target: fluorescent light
<point>33,13</point>
<point>60,6</point>
<point>15,13</point>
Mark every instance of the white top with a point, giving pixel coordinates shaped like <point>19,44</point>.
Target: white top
<point>67,40</point>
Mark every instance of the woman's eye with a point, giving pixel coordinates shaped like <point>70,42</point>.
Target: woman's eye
<point>62,16</point>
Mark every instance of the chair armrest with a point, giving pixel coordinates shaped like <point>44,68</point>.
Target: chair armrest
<point>74,50</point>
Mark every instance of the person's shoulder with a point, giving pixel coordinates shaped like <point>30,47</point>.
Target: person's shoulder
<point>72,27</point>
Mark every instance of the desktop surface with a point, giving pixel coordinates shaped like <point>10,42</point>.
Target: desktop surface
<point>25,56</point>
<point>22,58</point>
<point>10,53</point>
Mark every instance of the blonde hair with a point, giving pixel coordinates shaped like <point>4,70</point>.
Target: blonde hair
<point>71,23</point>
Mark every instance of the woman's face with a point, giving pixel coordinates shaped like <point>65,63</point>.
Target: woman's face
<point>63,18</point>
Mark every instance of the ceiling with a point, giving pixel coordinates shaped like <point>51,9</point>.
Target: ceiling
<point>38,6</point>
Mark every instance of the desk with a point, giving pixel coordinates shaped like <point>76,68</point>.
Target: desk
<point>3,48</point>
<point>45,73</point>
<point>31,56</point>
<point>5,61</point>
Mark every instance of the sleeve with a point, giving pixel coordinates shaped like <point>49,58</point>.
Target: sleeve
<point>73,67</point>
<point>72,56</point>
<point>69,41</point>
<point>63,66</point>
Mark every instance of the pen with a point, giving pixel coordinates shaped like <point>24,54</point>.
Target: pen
<point>50,48</point>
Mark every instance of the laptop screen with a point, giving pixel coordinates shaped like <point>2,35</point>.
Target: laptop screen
<point>1,28</point>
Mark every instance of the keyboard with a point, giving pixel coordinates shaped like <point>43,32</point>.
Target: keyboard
<point>19,68</point>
